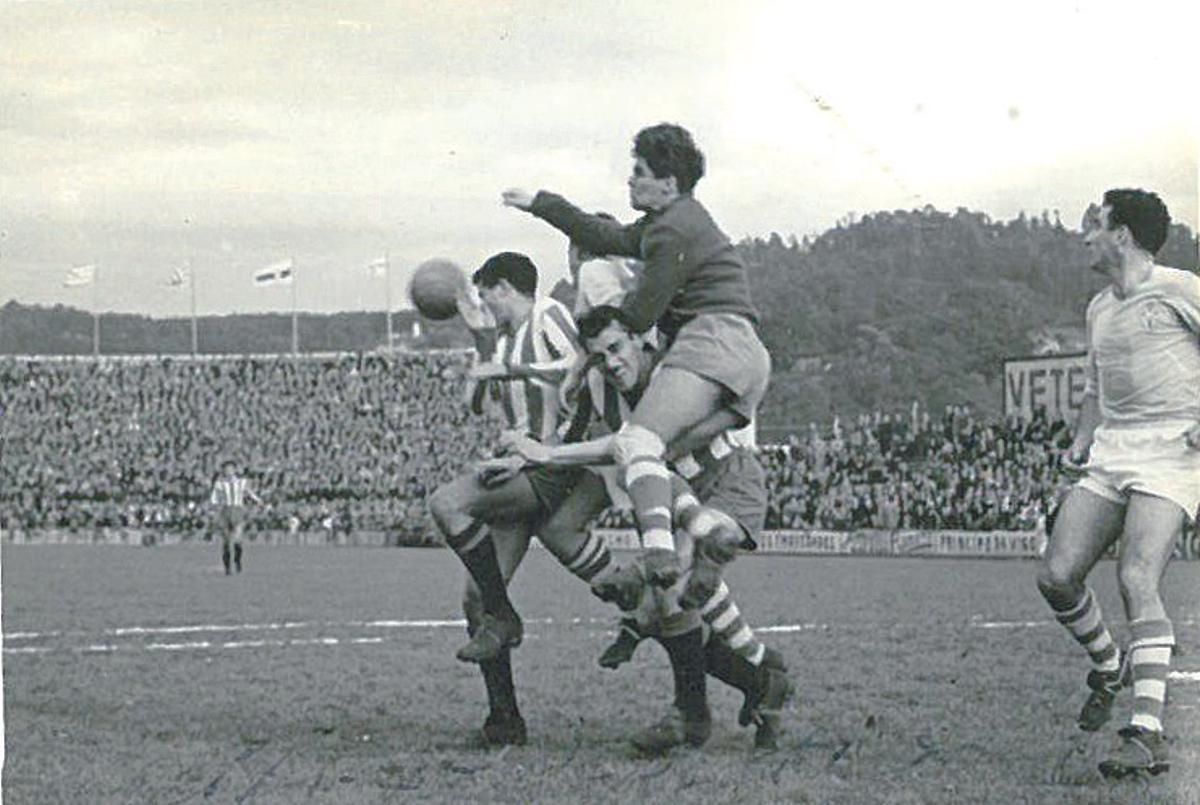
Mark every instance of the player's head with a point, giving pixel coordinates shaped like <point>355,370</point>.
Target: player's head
<point>507,284</point>
<point>608,335</point>
<point>666,165</point>
<point>228,467</point>
<point>1127,221</point>
<point>577,255</point>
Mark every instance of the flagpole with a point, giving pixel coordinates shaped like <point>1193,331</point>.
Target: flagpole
<point>192,283</point>
<point>295,327</point>
<point>387,278</point>
<point>95,313</point>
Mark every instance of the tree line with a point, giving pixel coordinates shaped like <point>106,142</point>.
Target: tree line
<point>876,312</point>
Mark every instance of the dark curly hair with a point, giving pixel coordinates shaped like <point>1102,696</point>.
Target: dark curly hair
<point>670,151</point>
<point>516,268</point>
<point>1143,212</point>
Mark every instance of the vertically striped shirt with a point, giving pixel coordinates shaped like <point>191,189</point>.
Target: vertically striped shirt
<point>547,340</point>
<point>230,491</point>
<point>1144,350</point>
<point>601,408</point>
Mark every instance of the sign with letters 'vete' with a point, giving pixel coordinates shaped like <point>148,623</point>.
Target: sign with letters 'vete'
<point>1051,382</point>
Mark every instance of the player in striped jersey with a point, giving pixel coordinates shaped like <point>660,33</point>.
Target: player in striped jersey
<point>728,478</point>
<point>488,521</point>
<point>1137,444</point>
<point>228,498</point>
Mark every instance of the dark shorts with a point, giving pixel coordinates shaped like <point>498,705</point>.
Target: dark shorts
<point>552,486</point>
<point>738,487</point>
<point>726,349</point>
<point>230,518</point>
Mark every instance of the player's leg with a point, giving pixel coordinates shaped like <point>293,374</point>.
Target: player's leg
<point>766,688</point>
<point>504,724</point>
<point>238,528</point>
<point>459,509</point>
<point>1152,527</point>
<point>225,554</point>
<point>675,400</point>
<point>1087,524</point>
<point>565,532</point>
<point>689,721</point>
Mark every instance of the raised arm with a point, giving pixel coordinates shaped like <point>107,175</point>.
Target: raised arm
<point>595,234</point>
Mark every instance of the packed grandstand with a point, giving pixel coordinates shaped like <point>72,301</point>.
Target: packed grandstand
<point>352,442</point>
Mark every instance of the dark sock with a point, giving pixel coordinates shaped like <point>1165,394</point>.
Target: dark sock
<point>498,677</point>
<point>686,652</point>
<point>480,561</point>
<point>237,556</point>
<point>730,667</point>
<point>225,557</point>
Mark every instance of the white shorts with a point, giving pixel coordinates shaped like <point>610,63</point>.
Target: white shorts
<point>1155,460</point>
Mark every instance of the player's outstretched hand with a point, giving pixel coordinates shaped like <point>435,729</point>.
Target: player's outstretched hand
<point>1075,459</point>
<point>519,443</point>
<point>487,371</point>
<point>495,471</point>
<point>1192,436</point>
<point>517,197</point>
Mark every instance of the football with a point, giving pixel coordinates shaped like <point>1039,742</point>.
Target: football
<point>434,286</point>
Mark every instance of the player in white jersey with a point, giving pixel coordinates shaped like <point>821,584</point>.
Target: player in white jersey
<point>1137,443</point>
<point>228,498</point>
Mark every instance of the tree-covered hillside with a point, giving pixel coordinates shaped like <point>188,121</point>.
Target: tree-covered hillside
<point>874,313</point>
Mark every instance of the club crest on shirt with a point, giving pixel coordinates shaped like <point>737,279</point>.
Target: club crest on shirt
<point>1158,317</point>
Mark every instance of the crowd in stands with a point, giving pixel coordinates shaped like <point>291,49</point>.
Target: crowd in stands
<point>356,442</point>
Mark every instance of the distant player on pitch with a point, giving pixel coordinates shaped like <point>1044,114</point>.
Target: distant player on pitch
<point>1137,442</point>
<point>228,498</point>
<point>694,287</point>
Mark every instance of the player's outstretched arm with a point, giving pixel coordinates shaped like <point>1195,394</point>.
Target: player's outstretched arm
<point>595,234</point>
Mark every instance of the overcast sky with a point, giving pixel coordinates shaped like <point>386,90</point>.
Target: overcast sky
<point>138,136</point>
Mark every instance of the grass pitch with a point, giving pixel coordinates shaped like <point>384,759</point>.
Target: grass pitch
<point>328,675</point>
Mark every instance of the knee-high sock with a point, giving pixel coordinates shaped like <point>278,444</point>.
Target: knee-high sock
<point>686,652</point>
<point>1150,659</point>
<point>721,662</point>
<point>498,678</point>
<point>722,615</point>
<point>591,558</point>
<point>639,453</point>
<point>225,555</point>
<point>475,548</point>
<point>1085,622</point>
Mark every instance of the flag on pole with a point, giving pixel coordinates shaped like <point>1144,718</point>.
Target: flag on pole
<point>378,266</point>
<point>279,273</point>
<point>80,275</point>
<point>180,277</point>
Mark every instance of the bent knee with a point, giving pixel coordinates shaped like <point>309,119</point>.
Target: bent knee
<point>632,442</point>
<point>445,504</point>
<point>1058,579</point>
<point>1138,579</point>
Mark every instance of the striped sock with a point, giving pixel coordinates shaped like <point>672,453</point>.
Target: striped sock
<point>475,548</point>
<point>1086,624</point>
<point>593,557</point>
<point>721,614</point>
<point>648,482</point>
<point>1150,658</point>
